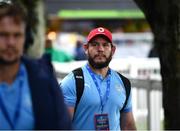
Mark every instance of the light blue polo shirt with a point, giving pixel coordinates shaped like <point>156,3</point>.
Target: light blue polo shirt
<point>90,105</point>
<point>10,95</point>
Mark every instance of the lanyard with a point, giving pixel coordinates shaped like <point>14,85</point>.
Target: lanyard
<point>106,97</point>
<point>17,109</point>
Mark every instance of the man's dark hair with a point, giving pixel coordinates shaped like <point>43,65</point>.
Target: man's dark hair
<point>14,10</point>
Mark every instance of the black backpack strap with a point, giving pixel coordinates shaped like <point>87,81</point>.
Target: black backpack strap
<point>79,80</point>
<point>127,86</point>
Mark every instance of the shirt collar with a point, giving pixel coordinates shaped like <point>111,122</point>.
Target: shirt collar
<point>98,75</point>
<point>19,77</point>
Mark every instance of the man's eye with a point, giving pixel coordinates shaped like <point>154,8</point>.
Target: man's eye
<point>3,34</point>
<point>106,44</point>
<point>17,35</point>
<point>94,43</point>
<point>98,44</point>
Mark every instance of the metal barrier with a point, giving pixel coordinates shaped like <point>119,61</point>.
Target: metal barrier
<point>151,99</point>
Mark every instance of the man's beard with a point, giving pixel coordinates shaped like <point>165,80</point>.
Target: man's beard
<point>7,63</point>
<point>99,65</point>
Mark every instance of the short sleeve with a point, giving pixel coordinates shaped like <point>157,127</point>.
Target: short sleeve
<point>67,85</point>
<point>128,107</point>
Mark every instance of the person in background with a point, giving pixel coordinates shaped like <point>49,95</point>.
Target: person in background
<point>56,55</point>
<point>104,92</point>
<point>153,52</point>
<point>79,51</point>
<point>29,94</point>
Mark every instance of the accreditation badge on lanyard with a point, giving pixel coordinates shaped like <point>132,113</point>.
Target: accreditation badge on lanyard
<point>101,122</point>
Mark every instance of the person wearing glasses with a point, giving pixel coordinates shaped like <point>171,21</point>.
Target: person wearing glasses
<point>104,93</point>
<point>29,92</point>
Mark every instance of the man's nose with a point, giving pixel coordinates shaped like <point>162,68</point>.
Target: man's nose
<point>100,47</point>
<point>11,40</point>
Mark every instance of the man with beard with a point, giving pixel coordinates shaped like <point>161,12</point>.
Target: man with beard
<point>104,92</point>
<point>29,92</point>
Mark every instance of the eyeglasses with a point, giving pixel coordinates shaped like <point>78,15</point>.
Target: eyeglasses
<point>97,44</point>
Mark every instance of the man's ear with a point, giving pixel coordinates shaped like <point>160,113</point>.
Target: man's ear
<point>85,47</point>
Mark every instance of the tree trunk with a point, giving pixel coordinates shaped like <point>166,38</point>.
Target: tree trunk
<point>37,49</point>
<point>35,33</point>
<point>164,19</point>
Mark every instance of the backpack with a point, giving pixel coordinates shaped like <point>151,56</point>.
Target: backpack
<point>79,81</point>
